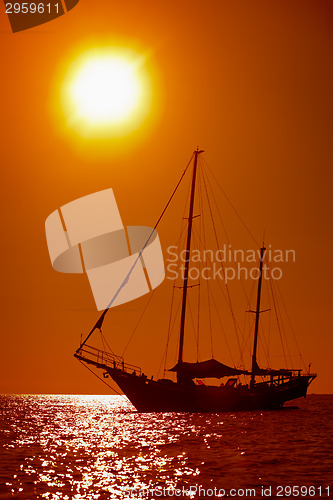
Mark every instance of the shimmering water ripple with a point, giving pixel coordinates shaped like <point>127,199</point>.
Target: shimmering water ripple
<point>93,447</point>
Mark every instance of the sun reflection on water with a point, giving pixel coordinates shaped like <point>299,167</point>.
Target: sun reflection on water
<point>97,446</point>
<point>83,446</point>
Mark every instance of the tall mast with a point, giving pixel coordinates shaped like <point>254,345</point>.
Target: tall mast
<point>254,355</point>
<point>187,262</point>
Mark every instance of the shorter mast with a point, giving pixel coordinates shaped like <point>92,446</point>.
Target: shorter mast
<point>254,355</point>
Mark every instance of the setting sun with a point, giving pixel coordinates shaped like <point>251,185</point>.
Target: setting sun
<point>105,90</point>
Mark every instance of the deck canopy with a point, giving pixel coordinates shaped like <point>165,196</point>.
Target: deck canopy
<point>210,368</point>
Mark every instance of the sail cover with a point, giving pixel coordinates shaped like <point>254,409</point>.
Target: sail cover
<point>269,371</point>
<point>210,368</point>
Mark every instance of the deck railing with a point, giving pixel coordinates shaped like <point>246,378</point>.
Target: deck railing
<point>101,358</point>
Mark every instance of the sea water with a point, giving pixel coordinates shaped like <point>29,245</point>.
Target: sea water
<point>99,447</point>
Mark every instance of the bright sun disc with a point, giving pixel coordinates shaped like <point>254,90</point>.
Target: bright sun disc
<point>108,95</point>
<point>105,90</point>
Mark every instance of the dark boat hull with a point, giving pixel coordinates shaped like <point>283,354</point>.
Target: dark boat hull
<point>166,396</point>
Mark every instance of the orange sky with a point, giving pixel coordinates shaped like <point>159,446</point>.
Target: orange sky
<point>248,81</point>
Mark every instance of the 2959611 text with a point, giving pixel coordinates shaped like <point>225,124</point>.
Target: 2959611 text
<point>32,8</point>
<point>296,491</point>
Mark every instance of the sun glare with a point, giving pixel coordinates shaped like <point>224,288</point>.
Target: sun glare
<point>106,92</point>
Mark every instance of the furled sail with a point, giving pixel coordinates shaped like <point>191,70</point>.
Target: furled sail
<point>210,368</point>
<point>269,371</point>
